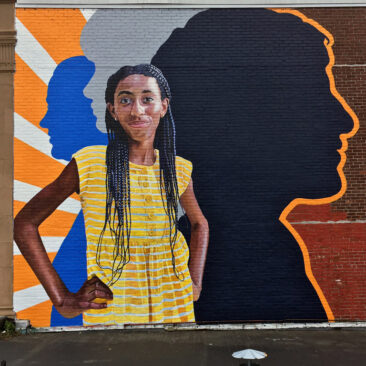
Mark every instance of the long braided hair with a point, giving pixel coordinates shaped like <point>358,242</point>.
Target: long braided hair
<point>118,199</point>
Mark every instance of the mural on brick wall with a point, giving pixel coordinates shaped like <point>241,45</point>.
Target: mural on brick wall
<point>250,97</point>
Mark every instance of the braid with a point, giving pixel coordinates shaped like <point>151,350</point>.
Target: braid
<point>118,201</point>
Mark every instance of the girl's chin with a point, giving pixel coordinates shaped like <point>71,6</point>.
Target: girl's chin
<point>141,135</point>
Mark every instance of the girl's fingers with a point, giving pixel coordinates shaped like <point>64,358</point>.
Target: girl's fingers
<point>95,283</point>
<point>98,294</point>
<point>93,305</point>
<point>84,305</point>
<point>101,285</point>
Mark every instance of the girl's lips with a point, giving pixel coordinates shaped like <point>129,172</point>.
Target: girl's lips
<point>139,124</point>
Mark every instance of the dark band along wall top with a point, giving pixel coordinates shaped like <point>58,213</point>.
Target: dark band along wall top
<point>258,116</point>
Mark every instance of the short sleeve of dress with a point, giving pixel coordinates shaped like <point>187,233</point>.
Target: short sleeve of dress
<point>184,172</point>
<point>90,163</point>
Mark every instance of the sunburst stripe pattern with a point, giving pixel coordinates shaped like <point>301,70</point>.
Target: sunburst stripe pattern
<point>45,38</point>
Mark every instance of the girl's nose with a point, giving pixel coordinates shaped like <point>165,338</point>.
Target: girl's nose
<point>137,108</point>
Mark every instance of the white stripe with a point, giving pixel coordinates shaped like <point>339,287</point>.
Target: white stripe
<point>33,136</point>
<point>51,243</point>
<point>24,192</point>
<point>87,13</point>
<point>109,322</point>
<point>88,150</point>
<point>136,314</point>
<point>162,320</point>
<point>152,278</point>
<point>28,297</point>
<point>169,267</point>
<point>148,237</point>
<point>92,158</point>
<point>132,213</point>
<point>95,178</point>
<point>87,173</point>
<point>90,244</point>
<point>33,54</point>
<point>89,166</point>
<point>134,221</point>
<point>132,255</point>
<point>146,287</point>
<point>173,316</point>
<point>156,295</point>
<point>94,185</point>
<point>157,304</point>
<point>106,267</point>
<point>134,229</point>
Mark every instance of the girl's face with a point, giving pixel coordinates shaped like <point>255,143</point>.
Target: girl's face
<point>138,106</point>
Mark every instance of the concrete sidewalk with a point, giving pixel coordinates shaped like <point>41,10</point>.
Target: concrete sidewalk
<point>212,348</point>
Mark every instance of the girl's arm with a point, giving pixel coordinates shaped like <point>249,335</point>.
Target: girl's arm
<point>199,238</point>
<point>30,244</point>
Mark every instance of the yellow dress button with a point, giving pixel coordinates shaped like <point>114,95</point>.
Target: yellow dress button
<point>145,184</point>
<point>148,198</point>
<point>150,216</point>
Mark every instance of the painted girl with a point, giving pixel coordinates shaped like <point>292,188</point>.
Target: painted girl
<point>137,259</point>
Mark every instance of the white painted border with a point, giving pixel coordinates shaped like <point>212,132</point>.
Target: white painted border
<point>188,326</point>
<point>185,3</point>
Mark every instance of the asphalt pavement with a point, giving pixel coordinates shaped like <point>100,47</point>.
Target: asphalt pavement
<point>161,347</point>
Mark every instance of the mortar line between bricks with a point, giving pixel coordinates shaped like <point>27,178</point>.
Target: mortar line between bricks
<point>327,222</point>
<point>349,65</point>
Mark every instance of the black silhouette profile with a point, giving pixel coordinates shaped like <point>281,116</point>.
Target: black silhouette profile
<point>255,115</point>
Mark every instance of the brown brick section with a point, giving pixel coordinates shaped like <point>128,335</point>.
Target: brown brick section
<point>348,27</point>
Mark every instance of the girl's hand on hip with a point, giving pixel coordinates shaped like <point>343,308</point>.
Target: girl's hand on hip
<point>75,303</point>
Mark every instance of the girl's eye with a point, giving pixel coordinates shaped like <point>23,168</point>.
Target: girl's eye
<point>148,99</point>
<point>125,100</point>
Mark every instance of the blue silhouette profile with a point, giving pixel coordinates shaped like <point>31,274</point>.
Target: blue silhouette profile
<point>71,126</point>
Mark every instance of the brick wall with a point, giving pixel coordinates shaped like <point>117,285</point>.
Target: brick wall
<point>334,234</point>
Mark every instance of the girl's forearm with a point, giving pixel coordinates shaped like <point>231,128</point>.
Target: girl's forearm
<point>27,237</point>
<point>198,251</point>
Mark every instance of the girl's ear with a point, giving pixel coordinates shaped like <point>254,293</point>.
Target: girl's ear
<point>165,105</point>
<point>111,110</point>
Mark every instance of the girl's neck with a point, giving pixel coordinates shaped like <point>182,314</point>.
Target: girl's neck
<point>141,153</point>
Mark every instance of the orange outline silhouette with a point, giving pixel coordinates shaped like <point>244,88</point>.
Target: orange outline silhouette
<point>328,42</point>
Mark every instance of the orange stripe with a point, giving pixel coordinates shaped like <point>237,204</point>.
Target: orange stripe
<point>58,224</point>
<point>57,30</point>
<point>40,315</point>
<point>24,277</point>
<point>328,42</point>
<point>30,94</point>
<point>33,167</point>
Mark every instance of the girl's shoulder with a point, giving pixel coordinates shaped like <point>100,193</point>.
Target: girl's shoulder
<point>90,151</point>
<point>183,163</point>
<point>183,168</point>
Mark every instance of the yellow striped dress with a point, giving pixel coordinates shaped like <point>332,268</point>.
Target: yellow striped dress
<point>148,290</point>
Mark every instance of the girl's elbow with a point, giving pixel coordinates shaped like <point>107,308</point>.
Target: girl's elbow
<point>201,225</point>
